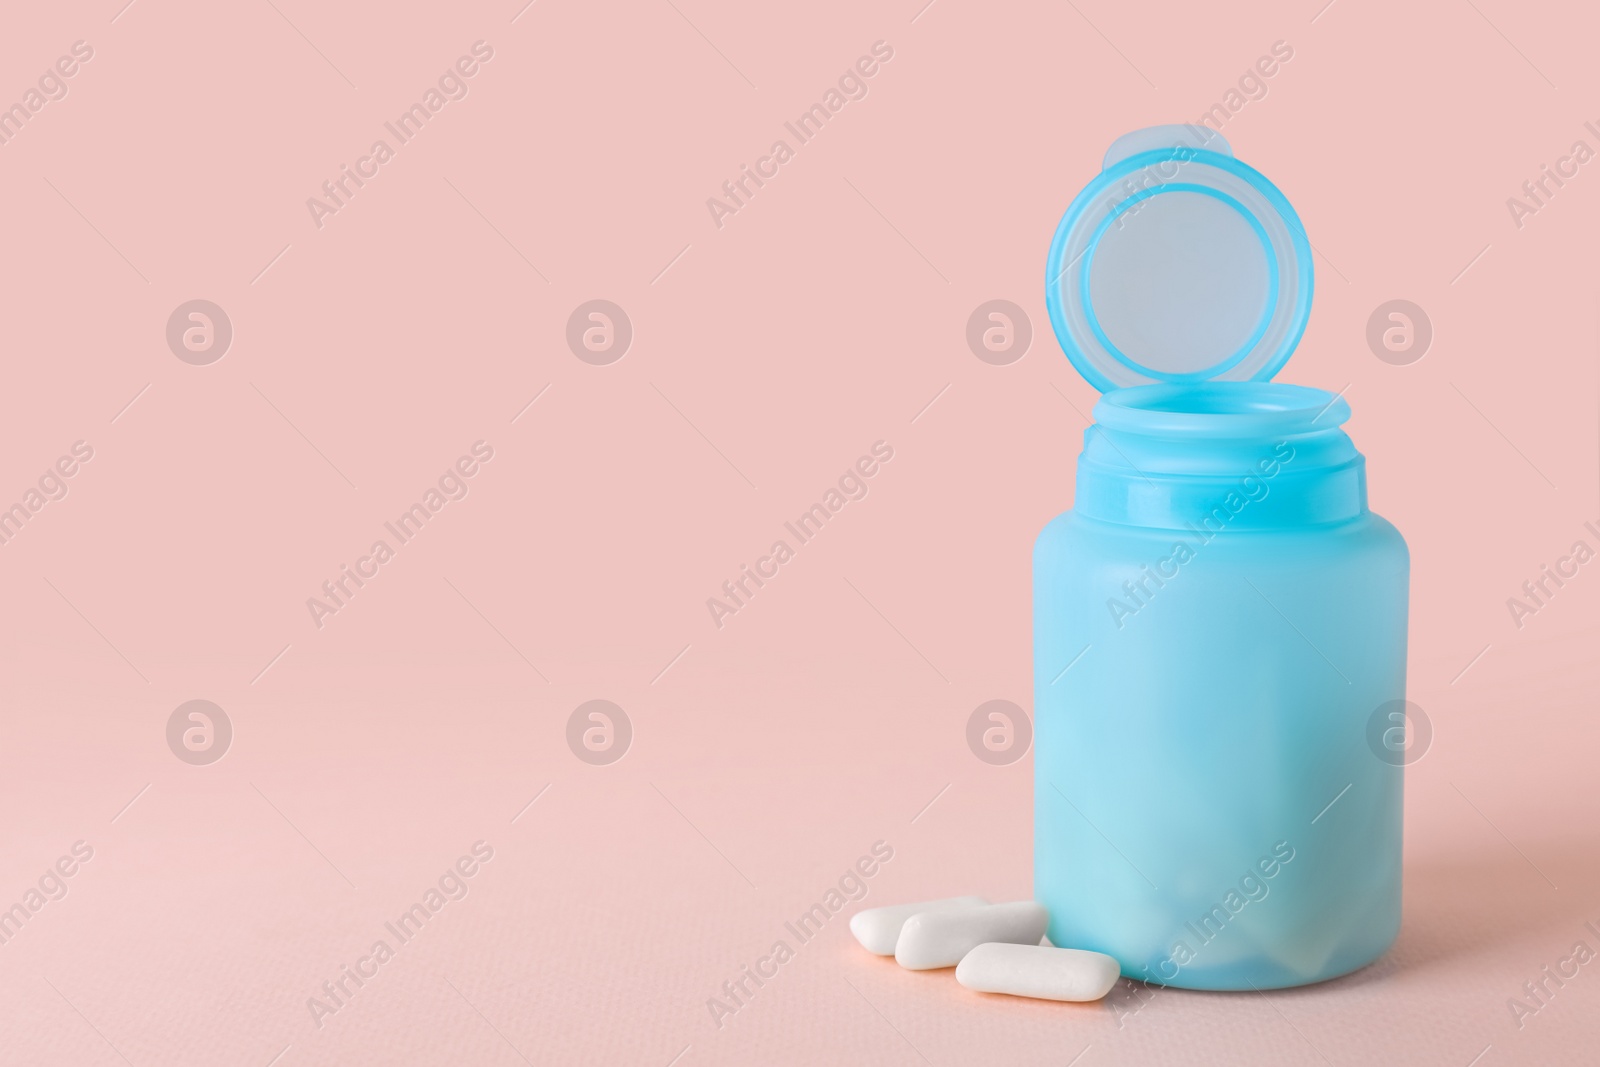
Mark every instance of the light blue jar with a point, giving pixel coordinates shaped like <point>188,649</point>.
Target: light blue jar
<point>1219,621</point>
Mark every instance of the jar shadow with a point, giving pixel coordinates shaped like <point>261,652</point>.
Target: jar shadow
<point>1486,913</point>
<point>1490,913</point>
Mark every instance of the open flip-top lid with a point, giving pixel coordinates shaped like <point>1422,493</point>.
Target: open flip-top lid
<point>1178,263</point>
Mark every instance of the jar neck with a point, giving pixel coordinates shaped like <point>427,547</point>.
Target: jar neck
<point>1220,455</point>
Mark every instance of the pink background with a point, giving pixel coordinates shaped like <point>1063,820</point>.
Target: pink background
<point>827,314</point>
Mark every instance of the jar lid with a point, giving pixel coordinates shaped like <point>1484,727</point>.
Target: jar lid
<point>1178,263</point>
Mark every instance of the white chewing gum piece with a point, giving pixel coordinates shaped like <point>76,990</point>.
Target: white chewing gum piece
<point>879,928</point>
<point>1038,971</point>
<point>941,938</point>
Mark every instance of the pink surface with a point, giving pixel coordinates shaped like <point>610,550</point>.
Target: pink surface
<point>829,312</point>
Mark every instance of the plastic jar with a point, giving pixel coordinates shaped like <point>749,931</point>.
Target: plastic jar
<point>1232,615</point>
<point>1219,617</point>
